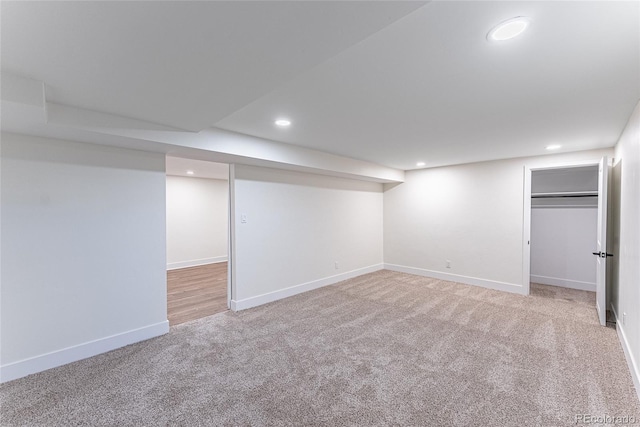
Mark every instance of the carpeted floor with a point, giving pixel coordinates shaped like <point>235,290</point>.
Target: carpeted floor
<point>382,349</point>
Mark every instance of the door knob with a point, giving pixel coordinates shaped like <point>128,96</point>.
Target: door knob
<point>602,254</point>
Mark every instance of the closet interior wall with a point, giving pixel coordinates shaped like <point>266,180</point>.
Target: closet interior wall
<point>564,211</point>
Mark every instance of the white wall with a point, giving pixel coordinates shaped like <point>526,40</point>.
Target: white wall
<point>471,215</point>
<point>297,226</point>
<point>197,218</point>
<point>562,242</point>
<point>83,251</point>
<point>626,284</point>
<point>567,179</point>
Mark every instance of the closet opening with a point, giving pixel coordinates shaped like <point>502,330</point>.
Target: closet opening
<point>197,239</point>
<point>565,232</point>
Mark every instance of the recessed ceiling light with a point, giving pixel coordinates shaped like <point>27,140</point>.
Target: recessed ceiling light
<point>553,147</point>
<point>190,172</point>
<point>420,164</point>
<point>283,123</point>
<point>508,29</point>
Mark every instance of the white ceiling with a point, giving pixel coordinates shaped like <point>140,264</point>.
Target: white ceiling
<point>178,63</point>
<point>392,83</point>
<point>177,166</point>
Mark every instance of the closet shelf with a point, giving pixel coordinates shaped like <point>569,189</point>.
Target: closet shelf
<point>565,194</point>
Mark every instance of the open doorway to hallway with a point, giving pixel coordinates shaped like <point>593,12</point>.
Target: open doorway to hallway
<point>196,292</point>
<point>197,239</point>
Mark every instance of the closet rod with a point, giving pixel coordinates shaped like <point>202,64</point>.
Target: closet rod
<point>563,206</point>
<point>565,194</point>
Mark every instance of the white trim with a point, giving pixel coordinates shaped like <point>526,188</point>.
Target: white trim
<point>231,243</point>
<point>634,369</point>
<point>467,280</point>
<point>32,365</point>
<point>565,283</point>
<point>526,232</point>
<point>195,262</point>
<point>568,164</point>
<point>237,305</point>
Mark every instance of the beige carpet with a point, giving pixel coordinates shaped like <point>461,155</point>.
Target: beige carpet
<point>381,349</point>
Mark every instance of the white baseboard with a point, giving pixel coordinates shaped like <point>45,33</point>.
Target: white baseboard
<point>634,367</point>
<point>565,283</point>
<point>195,262</point>
<point>237,305</point>
<point>22,368</point>
<point>467,280</point>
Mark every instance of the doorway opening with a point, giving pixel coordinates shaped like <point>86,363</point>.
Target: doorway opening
<point>565,231</point>
<point>197,239</point>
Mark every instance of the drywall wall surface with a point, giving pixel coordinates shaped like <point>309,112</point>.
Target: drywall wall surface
<point>83,251</point>
<point>626,286</point>
<point>197,218</point>
<point>562,242</point>
<point>292,228</point>
<point>565,180</point>
<point>470,215</point>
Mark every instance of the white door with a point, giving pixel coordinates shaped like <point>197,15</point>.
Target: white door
<point>601,287</point>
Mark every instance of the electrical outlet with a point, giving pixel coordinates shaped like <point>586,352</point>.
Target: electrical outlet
<point>243,218</point>
<point>336,265</point>
<point>448,265</point>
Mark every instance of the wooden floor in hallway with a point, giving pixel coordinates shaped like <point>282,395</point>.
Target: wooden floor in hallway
<point>196,292</point>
